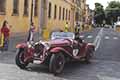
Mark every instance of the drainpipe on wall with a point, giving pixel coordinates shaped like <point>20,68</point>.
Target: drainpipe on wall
<point>31,15</point>
<point>42,16</point>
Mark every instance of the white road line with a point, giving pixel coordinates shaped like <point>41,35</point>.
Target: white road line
<point>97,44</point>
<point>107,78</point>
<point>107,37</point>
<point>81,36</point>
<point>115,38</point>
<point>98,39</point>
<point>90,36</point>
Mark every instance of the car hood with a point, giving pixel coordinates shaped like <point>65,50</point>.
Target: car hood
<point>60,42</point>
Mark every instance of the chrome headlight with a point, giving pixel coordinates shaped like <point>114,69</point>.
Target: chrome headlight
<point>29,45</point>
<point>47,45</point>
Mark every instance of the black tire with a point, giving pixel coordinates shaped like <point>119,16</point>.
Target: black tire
<point>89,55</point>
<point>19,59</point>
<point>57,62</point>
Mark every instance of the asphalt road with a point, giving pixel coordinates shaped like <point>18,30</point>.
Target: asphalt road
<point>105,64</point>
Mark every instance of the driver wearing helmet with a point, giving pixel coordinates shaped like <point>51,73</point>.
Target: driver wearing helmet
<point>77,37</point>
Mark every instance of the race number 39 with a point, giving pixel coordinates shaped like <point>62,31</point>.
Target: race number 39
<point>75,52</point>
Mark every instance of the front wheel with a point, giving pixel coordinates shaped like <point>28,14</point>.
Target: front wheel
<point>20,59</point>
<point>57,62</point>
<point>89,55</point>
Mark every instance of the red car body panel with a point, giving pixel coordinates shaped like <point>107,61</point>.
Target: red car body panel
<point>58,49</point>
<point>28,51</point>
<point>64,45</point>
<point>22,45</point>
<point>29,54</point>
<point>60,42</point>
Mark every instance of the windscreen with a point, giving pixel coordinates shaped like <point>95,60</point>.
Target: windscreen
<point>62,35</point>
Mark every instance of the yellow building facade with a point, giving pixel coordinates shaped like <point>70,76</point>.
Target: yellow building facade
<point>48,15</point>
<point>59,12</point>
<point>85,16</point>
<point>16,15</point>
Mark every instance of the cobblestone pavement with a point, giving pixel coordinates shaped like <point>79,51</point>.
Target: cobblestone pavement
<point>105,64</point>
<point>11,72</point>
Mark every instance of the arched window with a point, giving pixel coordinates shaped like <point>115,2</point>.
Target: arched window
<point>69,15</point>
<point>63,13</point>
<point>2,6</point>
<point>16,7</point>
<point>26,8</point>
<point>49,10</point>
<point>60,13</point>
<point>55,12</point>
<point>36,8</point>
<point>66,14</point>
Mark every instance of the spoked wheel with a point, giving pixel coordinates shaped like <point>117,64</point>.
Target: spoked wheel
<point>57,62</point>
<point>89,55</point>
<point>20,59</point>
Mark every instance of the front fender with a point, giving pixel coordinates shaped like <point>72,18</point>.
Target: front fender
<point>90,46</point>
<point>28,52</point>
<point>57,49</point>
<point>23,45</point>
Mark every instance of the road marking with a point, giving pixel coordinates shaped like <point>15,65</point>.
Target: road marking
<point>115,38</point>
<point>90,36</point>
<point>107,78</point>
<point>98,39</point>
<point>81,36</point>
<point>107,37</point>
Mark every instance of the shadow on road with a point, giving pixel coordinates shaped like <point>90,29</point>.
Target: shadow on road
<point>71,68</point>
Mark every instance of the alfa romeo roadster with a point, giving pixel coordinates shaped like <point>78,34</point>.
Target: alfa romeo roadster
<point>61,48</point>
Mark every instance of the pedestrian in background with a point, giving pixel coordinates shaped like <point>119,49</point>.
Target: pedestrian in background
<point>66,27</point>
<point>5,30</point>
<point>77,27</point>
<point>1,40</point>
<point>31,32</point>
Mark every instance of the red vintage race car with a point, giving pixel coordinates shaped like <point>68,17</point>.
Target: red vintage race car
<point>62,47</point>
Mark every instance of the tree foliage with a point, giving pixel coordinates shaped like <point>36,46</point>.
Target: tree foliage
<point>113,5</point>
<point>99,8</point>
<point>112,11</point>
<point>99,13</point>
